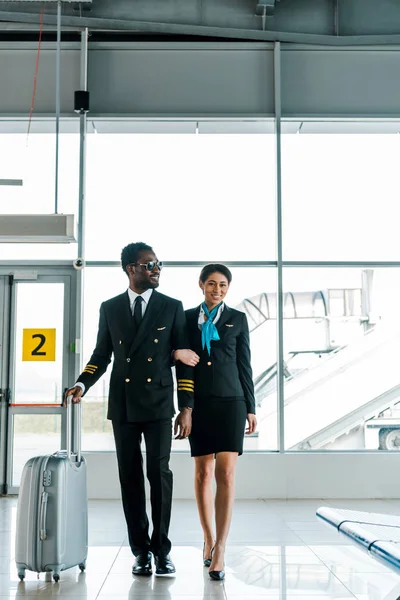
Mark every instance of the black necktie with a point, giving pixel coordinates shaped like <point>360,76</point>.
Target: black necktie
<point>137,312</point>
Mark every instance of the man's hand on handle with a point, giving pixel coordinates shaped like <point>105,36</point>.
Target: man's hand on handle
<point>76,393</point>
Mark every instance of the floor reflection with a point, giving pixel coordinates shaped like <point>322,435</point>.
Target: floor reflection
<point>288,564</point>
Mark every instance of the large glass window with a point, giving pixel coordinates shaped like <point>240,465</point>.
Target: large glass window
<point>194,197</point>
<point>340,191</point>
<point>39,330</point>
<point>33,435</point>
<point>202,197</point>
<point>340,204</point>
<point>253,290</point>
<point>341,340</point>
<point>196,193</point>
<point>31,158</point>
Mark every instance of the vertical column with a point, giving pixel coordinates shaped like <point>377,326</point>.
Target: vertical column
<point>367,279</point>
<point>82,148</point>
<point>5,301</point>
<point>58,65</point>
<point>279,296</point>
<point>81,228</point>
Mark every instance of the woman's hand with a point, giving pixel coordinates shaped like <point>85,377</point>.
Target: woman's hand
<point>252,421</point>
<point>186,356</point>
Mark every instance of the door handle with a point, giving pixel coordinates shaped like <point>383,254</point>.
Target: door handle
<point>6,394</point>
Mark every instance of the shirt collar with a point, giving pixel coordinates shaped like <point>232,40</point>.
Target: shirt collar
<point>133,295</point>
<point>221,308</point>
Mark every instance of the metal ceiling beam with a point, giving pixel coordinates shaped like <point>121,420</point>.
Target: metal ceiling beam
<point>11,182</point>
<point>33,27</point>
<point>49,1</point>
<point>119,25</point>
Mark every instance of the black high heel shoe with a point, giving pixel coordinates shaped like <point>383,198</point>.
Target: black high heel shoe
<point>216,575</point>
<point>207,561</point>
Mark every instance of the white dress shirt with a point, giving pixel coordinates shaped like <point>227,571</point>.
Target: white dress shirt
<point>146,297</point>
<point>132,297</point>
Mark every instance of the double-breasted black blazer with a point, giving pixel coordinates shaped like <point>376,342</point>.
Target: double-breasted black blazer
<point>141,384</point>
<point>226,372</point>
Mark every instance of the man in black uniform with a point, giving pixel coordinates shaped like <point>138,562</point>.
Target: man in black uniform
<point>142,328</point>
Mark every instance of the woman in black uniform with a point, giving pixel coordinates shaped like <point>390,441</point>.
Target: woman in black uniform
<point>224,399</point>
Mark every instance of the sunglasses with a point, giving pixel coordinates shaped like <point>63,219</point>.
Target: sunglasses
<point>151,265</point>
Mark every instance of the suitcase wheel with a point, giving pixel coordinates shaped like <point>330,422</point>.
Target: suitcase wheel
<point>56,577</point>
<point>21,574</point>
<point>82,566</point>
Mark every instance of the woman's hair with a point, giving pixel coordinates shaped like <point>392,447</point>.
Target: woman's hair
<point>130,253</point>
<point>207,270</point>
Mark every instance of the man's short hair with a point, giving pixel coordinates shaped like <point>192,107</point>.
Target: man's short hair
<point>207,270</point>
<point>130,253</point>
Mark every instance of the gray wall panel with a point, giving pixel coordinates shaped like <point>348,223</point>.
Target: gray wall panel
<point>369,17</point>
<point>340,82</point>
<point>17,69</point>
<point>181,82</point>
<point>307,16</point>
<point>204,79</point>
<point>352,17</point>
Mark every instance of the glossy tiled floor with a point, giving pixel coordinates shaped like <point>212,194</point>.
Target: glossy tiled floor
<point>277,551</point>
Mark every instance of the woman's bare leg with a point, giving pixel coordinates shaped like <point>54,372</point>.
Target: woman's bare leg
<point>204,473</point>
<point>225,477</point>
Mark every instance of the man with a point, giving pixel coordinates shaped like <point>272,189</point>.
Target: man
<point>142,329</point>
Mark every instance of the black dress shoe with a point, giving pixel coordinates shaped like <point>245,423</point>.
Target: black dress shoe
<point>217,575</point>
<point>142,564</point>
<point>164,565</point>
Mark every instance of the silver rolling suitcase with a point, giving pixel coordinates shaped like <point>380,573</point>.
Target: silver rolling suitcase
<point>52,524</point>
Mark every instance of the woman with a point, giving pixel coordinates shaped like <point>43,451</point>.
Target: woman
<point>224,399</point>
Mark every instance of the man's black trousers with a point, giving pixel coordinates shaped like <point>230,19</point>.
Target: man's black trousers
<point>157,437</point>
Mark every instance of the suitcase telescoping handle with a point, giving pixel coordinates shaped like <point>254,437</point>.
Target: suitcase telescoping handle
<point>74,430</point>
<point>43,514</point>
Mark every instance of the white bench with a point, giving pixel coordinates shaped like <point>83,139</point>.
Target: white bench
<point>379,534</point>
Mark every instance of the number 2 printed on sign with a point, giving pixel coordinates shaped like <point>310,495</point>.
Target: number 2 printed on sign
<point>36,351</point>
<point>39,345</point>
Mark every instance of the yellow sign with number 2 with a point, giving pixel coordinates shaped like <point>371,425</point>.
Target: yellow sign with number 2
<point>39,344</point>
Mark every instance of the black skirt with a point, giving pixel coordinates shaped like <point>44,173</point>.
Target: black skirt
<point>218,425</point>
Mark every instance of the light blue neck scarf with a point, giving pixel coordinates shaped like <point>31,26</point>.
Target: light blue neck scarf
<point>208,330</point>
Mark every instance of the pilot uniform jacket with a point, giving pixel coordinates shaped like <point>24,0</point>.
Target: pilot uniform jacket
<point>226,372</point>
<point>141,384</point>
